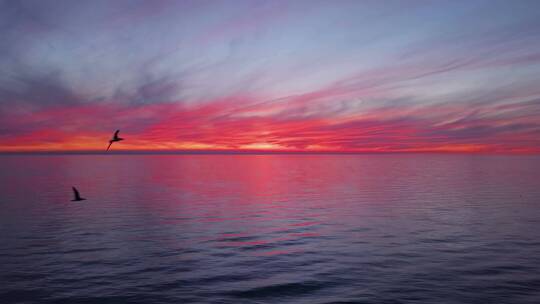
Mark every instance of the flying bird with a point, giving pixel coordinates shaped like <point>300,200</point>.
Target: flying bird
<point>77,197</point>
<point>114,139</point>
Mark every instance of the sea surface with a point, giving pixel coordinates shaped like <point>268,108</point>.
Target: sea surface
<point>392,228</point>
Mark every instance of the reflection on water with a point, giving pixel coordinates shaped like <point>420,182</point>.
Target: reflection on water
<point>270,228</point>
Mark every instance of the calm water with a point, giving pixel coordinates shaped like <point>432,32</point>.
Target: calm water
<point>270,229</point>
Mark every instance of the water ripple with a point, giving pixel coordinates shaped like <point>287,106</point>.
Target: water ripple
<point>317,229</point>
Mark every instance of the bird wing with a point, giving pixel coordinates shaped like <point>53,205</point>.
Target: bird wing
<point>76,193</point>
<point>116,134</point>
<point>110,143</point>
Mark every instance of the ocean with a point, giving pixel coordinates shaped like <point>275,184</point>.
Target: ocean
<point>284,228</point>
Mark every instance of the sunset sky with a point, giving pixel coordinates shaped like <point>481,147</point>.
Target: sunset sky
<point>365,76</point>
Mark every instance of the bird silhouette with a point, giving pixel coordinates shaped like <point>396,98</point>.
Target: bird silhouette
<point>76,196</point>
<point>114,139</point>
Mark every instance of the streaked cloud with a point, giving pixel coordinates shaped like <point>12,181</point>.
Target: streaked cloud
<point>304,75</point>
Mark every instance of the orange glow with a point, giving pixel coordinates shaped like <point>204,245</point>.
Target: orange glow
<point>296,124</point>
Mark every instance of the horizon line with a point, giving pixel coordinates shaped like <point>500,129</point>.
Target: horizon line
<point>251,152</point>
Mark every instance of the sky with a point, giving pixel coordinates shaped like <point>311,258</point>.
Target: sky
<point>344,76</point>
